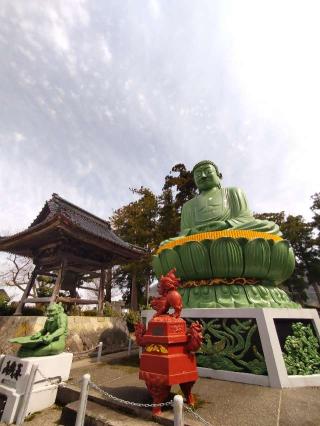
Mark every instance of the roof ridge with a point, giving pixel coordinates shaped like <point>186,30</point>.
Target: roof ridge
<point>58,197</point>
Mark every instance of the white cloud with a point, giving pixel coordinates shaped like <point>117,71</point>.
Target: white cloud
<point>105,51</point>
<point>101,96</point>
<point>155,9</point>
<point>19,137</point>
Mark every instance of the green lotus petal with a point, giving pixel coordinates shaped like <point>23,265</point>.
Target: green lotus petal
<point>208,297</point>
<point>282,261</point>
<point>239,296</point>
<point>185,253</point>
<point>256,258</point>
<point>200,260</point>
<point>156,266</point>
<point>255,298</point>
<point>264,294</point>
<point>226,258</point>
<point>173,261</point>
<point>185,296</point>
<point>281,298</point>
<point>194,297</point>
<point>164,261</point>
<point>224,297</point>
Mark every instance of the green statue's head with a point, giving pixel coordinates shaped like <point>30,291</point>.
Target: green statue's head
<point>54,310</point>
<point>206,175</point>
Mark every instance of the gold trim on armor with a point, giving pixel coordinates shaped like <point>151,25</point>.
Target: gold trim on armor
<point>213,235</point>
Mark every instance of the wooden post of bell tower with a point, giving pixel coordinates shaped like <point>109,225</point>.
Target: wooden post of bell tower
<point>101,292</point>
<point>27,291</point>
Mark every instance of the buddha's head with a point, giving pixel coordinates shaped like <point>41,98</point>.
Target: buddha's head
<point>206,175</point>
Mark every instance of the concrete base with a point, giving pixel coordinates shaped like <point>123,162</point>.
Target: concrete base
<point>53,367</point>
<point>277,374</point>
<point>52,370</point>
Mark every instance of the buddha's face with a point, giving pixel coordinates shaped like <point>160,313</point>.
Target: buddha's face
<point>205,177</point>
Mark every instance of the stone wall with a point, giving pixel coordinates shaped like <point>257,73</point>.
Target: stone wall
<point>84,332</point>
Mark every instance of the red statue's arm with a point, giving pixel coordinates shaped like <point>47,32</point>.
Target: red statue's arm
<point>194,337</point>
<point>139,331</point>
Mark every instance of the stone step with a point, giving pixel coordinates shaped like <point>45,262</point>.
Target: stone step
<point>98,415</point>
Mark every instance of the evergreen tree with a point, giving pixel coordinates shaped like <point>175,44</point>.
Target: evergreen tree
<point>136,224</point>
<point>169,219</point>
<point>314,263</point>
<point>299,232</point>
<point>182,183</point>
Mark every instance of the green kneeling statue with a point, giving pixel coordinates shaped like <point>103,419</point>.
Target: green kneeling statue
<point>51,340</point>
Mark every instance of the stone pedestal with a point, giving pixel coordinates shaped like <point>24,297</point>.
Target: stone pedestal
<point>14,378</point>
<point>267,346</point>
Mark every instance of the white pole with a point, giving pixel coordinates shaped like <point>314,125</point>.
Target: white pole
<point>81,414</point>
<point>26,398</point>
<point>129,346</point>
<point>99,352</point>
<point>178,410</point>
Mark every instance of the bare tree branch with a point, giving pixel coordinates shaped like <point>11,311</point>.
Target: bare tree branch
<point>17,272</point>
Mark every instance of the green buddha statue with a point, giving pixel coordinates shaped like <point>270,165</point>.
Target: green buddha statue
<point>216,208</point>
<point>223,255</point>
<point>50,340</point>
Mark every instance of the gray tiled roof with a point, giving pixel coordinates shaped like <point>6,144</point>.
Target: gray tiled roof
<point>82,219</point>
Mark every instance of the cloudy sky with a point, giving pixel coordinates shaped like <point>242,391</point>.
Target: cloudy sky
<point>97,96</point>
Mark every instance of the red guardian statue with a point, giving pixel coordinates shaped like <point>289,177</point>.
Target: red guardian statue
<point>168,345</point>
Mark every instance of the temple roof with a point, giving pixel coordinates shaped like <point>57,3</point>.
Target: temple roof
<point>79,217</point>
<point>60,213</point>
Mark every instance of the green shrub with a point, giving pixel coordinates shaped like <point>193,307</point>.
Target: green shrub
<point>108,311</point>
<point>90,313</point>
<point>4,300</point>
<point>302,351</point>
<point>44,290</point>
<point>30,311</point>
<point>132,317</point>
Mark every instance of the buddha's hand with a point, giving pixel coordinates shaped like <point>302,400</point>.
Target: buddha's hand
<point>218,225</point>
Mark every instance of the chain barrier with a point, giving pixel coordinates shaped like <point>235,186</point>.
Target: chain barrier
<point>123,401</point>
<point>133,347</point>
<point>105,394</point>
<point>197,416</point>
<point>54,381</point>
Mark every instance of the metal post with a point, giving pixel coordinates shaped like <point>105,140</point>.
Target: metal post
<point>26,398</point>
<point>178,410</point>
<point>81,415</point>
<point>99,351</point>
<point>129,346</point>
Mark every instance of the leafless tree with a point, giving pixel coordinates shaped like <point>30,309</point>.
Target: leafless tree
<point>16,272</point>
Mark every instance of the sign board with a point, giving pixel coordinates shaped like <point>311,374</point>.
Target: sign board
<point>14,372</point>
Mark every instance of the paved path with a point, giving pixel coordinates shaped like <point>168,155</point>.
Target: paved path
<point>220,403</point>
